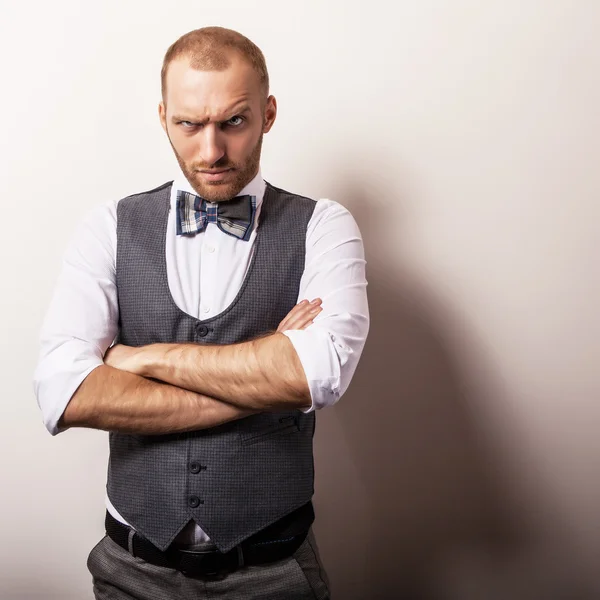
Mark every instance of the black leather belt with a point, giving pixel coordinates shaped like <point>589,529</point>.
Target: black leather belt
<point>208,563</point>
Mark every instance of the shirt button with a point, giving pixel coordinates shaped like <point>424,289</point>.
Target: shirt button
<point>194,501</point>
<point>211,249</point>
<point>202,330</point>
<point>206,309</point>
<point>195,467</point>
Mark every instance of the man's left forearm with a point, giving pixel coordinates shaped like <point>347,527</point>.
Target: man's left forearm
<point>262,374</point>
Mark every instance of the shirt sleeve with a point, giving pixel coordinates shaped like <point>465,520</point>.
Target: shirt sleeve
<point>82,319</point>
<point>334,271</point>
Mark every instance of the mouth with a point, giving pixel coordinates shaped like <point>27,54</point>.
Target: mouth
<point>214,174</point>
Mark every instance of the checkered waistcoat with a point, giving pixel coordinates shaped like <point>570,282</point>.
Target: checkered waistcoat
<point>237,478</point>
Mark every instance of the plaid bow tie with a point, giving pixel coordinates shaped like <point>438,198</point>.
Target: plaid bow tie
<point>233,217</point>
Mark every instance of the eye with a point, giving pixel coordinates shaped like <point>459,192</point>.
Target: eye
<point>235,121</point>
<point>188,125</point>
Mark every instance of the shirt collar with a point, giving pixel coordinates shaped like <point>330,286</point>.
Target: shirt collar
<point>256,188</point>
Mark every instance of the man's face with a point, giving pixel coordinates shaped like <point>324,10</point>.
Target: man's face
<point>215,121</point>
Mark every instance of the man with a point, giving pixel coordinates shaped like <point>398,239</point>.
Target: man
<point>210,392</point>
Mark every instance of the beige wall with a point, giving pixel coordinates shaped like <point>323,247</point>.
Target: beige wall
<point>464,136</point>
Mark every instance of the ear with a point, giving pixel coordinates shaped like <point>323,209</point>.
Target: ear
<point>162,115</point>
<point>270,113</point>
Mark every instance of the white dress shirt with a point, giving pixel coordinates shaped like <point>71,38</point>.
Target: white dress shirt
<point>205,273</point>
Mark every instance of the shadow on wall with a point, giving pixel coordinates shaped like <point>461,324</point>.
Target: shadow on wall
<point>410,502</point>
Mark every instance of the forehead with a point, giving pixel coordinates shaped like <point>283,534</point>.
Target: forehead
<point>210,92</point>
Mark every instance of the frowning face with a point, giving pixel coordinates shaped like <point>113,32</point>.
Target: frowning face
<point>215,122</point>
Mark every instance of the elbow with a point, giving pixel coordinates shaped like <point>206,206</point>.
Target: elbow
<point>51,416</point>
<point>321,394</point>
<point>322,358</point>
<point>56,380</point>
<point>56,422</point>
<point>53,425</point>
<point>65,421</point>
<point>304,401</point>
<point>60,410</point>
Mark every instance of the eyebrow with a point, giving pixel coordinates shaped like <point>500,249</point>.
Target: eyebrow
<point>237,110</point>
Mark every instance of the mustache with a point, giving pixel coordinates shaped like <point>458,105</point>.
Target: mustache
<point>218,165</point>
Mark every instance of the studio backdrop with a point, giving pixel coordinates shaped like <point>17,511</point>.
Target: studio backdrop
<point>464,136</point>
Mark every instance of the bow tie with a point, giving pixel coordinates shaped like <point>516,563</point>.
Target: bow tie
<point>233,217</point>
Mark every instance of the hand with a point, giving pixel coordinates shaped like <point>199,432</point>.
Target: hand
<point>125,358</point>
<point>301,316</point>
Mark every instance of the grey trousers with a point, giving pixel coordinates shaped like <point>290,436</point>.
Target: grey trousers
<point>117,575</point>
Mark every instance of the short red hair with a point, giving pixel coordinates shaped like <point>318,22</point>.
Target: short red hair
<point>210,48</point>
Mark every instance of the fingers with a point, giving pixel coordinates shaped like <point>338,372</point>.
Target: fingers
<point>305,314</point>
<point>287,319</point>
<point>307,325</point>
<point>302,315</point>
<point>299,316</point>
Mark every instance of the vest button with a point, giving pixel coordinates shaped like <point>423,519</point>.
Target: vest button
<point>202,330</point>
<point>195,467</point>
<point>194,501</point>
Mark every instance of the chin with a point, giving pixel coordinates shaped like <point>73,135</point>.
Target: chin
<point>217,191</point>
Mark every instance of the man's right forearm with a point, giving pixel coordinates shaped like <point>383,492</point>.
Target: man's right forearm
<point>116,400</point>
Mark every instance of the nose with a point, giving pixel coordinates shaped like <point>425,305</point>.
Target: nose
<point>212,147</point>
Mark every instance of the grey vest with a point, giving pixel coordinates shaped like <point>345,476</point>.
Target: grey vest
<point>240,477</point>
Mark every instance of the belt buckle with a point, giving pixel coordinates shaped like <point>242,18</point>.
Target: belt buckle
<point>195,572</point>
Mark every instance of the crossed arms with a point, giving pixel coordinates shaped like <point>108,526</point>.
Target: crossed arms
<point>199,387</point>
<point>81,381</point>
